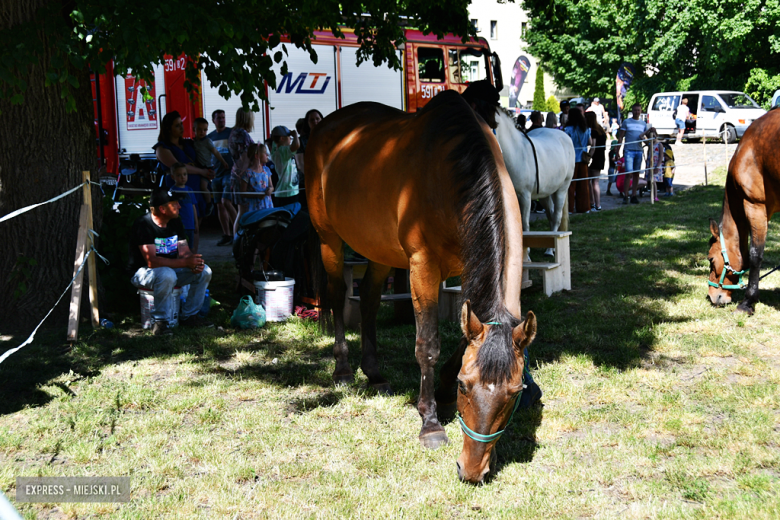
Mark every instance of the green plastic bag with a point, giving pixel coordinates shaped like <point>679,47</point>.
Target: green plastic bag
<point>248,314</point>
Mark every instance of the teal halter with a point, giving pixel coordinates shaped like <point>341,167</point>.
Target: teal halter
<point>727,267</point>
<point>494,436</point>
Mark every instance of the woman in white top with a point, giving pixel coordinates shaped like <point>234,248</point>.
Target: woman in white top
<point>682,114</point>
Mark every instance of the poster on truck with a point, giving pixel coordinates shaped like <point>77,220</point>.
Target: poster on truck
<point>140,104</point>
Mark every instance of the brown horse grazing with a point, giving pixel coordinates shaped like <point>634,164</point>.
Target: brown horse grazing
<point>752,197</point>
<point>427,192</point>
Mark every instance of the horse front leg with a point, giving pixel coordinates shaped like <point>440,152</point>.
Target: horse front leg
<point>756,214</point>
<point>333,259</point>
<point>370,298</point>
<point>425,278</point>
<point>524,199</point>
<point>447,394</point>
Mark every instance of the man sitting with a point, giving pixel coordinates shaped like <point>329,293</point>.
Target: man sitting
<point>161,259</point>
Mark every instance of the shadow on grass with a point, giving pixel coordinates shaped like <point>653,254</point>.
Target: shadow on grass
<point>625,264</point>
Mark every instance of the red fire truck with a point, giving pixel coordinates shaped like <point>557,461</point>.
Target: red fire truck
<point>127,120</point>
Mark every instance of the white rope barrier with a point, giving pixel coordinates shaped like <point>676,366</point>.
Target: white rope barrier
<point>147,190</point>
<point>33,206</point>
<point>31,337</point>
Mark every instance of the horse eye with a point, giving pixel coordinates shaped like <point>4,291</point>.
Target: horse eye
<point>462,387</point>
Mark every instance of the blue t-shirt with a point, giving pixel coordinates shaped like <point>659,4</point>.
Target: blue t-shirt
<point>187,212</point>
<point>633,129</point>
<point>220,140</point>
<point>580,140</point>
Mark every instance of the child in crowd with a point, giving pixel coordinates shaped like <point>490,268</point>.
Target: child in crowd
<point>614,128</point>
<point>206,151</point>
<point>658,164</point>
<point>669,170</point>
<point>258,179</point>
<point>188,213</point>
<point>613,151</point>
<point>285,143</point>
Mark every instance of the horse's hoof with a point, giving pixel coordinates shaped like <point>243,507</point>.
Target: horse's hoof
<point>434,440</point>
<point>343,379</point>
<point>383,388</point>
<point>746,308</point>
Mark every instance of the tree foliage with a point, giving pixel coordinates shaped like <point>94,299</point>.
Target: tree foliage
<point>553,105</point>
<point>673,44</point>
<point>539,101</point>
<point>236,41</point>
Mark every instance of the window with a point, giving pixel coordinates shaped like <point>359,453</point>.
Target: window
<point>523,30</point>
<point>493,29</point>
<point>430,65</point>
<point>666,103</point>
<point>738,100</point>
<point>453,64</point>
<point>710,104</point>
<point>475,24</point>
<point>472,65</point>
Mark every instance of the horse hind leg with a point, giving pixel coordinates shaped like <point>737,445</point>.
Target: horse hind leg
<point>756,215</point>
<point>370,298</point>
<point>333,259</point>
<point>554,211</point>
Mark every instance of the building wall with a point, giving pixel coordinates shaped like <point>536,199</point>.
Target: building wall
<point>508,42</point>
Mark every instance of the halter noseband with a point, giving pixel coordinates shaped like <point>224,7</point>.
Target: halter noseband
<point>727,267</point>
<point>494,436</point>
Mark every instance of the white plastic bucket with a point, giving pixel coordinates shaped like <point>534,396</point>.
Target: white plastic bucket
<point>278,302</point>
<point>147,307</point>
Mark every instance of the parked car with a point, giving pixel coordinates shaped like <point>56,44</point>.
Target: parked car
<point>714,113</point>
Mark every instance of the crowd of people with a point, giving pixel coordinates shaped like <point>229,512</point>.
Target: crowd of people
<point>225,169</point>
<point>633,143</point>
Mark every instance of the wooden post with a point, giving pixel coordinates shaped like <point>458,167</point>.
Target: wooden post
<point>704,139</point>
<point>75,293</point>
<point>91,262</point>
<point>652,171</point>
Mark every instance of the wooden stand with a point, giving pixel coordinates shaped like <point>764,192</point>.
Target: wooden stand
<point>85,224</point>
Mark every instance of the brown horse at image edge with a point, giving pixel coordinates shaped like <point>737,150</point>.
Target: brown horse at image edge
<point>752,196</point>
<point>427,192</point>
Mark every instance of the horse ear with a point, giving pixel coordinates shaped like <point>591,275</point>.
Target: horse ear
<point>469,323</point>
<point>714,228</point>
<point>524,334</point>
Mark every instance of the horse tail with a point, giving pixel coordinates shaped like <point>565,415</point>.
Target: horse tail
<point>320,281</point>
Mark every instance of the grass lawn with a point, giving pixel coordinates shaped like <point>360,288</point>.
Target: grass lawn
<point>656,405</point>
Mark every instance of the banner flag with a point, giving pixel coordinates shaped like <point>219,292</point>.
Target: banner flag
<point>519,73</point>
<point>625,75</point>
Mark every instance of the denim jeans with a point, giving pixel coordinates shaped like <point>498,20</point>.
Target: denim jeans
<point>634,161</point>
<point>162,280</point>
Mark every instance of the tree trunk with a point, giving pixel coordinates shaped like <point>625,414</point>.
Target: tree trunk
<point>43,150</point>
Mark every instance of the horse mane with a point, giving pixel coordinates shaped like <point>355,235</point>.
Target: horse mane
<point>481,229</point>
<point>511,116</point>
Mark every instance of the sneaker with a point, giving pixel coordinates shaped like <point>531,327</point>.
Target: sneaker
<point>593,207</point>
<point>625,200</point>
<point>634,200</point>
<point>226,240</point>
<point>160,328</point>
<point>209,209</point>
<point>196,321</point>
<point>597,208</point>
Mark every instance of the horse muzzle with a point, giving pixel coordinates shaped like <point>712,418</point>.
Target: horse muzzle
<point>477,473</point>
<point>719,297</point>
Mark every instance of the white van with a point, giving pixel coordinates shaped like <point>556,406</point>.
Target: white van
<point>714,113</point>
